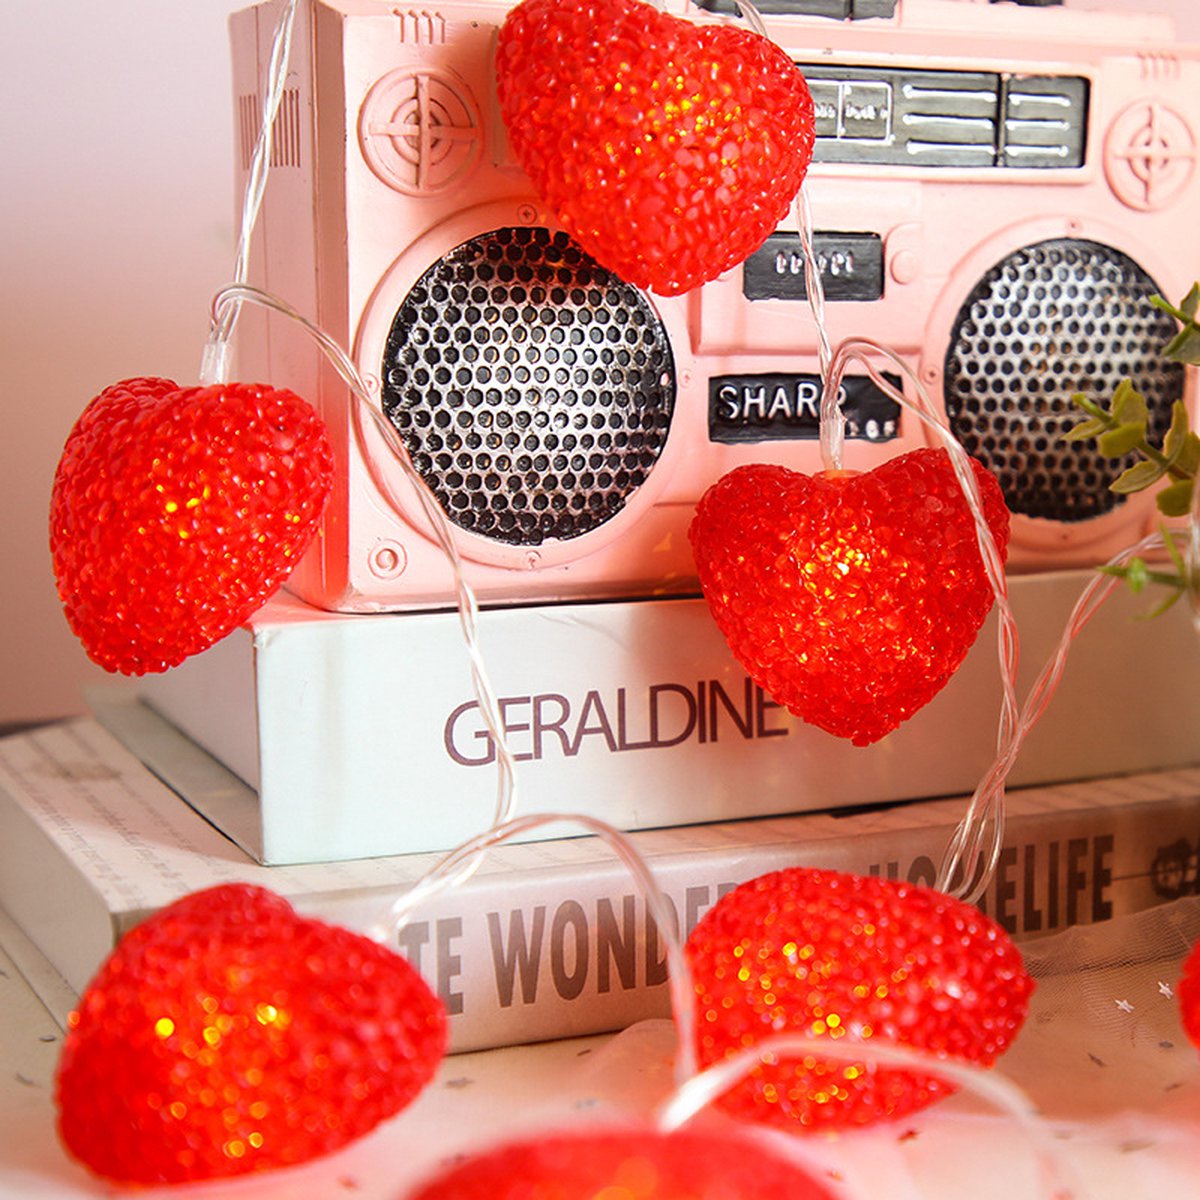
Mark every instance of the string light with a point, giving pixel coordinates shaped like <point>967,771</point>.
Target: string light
<point>973,851</point>
<point>668,149</point>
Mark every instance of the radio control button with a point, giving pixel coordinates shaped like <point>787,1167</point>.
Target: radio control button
<point>421,131</point>
<point>826,107</point>
<point>1149,155</point>
<point>905,266</point>
<point>388,560</point>
<point>867,111</point>
<point>851,267</point>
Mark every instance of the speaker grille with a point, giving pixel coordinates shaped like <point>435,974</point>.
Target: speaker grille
<point>532,387</point>
<point>1055,318</point>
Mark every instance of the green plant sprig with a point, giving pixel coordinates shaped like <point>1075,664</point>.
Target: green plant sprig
<point>1121,429</point>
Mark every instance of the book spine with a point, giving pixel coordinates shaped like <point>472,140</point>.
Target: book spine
<point>551,938</point>
<point>562,954</point>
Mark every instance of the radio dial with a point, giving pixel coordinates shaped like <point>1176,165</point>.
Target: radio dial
<point>1149,155</point>
<point>420,131</point>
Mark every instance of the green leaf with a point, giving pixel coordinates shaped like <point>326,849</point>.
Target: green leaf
<point>1188,462</point>
<point>1175,500</point>
<point>1089,406</point>
<point>1116,443</point>
<point>1134,573</point>
<point>1129,405</point>
<point>1085,430</point>
<point>1173,594</point>
<point>1176,437</point>
<point>1191,302</point>
<point>1164,305</point>
<point>1173,551</point>
<point>1184,347</point>
<point>1137,478</point>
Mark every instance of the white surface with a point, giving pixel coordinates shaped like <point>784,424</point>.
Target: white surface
<point>118,218</point>
<point>1121,1125</point>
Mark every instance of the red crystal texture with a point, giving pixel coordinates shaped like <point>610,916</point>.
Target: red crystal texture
<point>1189,995</point>
<point>851,598</point>
<point>627,1165</point>
<point>850,958</point>
<point>177,512</point>
<point>668,150</point>
<point>227,1035</point>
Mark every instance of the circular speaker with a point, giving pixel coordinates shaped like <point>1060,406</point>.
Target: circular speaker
<point>1052,319</point>
<point>532,387</point>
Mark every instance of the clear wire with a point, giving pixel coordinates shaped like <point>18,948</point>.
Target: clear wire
<point>214,365</point>
<point>467,603</point>
<point>449,871</point>
<point>975,846</point>
<point>701,1090</point>
<point>971,857</point>
<point>832,423</point>
<point>974,849</point>
<point>214,368</point>
<point>962,860</point>
<point>752,17</point>
<point>746,12</point>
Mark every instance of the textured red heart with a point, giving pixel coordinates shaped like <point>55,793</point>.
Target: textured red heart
<point>668,150</point>
<point>851,598</point>
<point>226,1035</point>
<point>1189,995</point>
<point>177,512</point>
<point>627,1165</point>
<point>846,957</point>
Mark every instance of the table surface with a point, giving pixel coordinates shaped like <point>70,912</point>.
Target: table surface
<point>1119,1096</point>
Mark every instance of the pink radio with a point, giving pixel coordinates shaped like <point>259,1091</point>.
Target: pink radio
<point>996,192</point>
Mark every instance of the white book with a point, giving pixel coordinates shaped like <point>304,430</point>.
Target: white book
<point>359,733</point>
<point>549,939</point>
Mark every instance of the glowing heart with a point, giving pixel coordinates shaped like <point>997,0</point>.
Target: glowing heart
<point>668,150</point>
<point>850,598</point>
<point>227,1035</point>
<point>177,512</point>
<point>627,1165</point>
<point>1189,995</point>
<point>850,958</point>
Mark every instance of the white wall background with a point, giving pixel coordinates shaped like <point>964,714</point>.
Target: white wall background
<point>117,217</point>
<point>117,214</point>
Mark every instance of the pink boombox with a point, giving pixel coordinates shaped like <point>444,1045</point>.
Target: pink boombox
<point>997,190</point>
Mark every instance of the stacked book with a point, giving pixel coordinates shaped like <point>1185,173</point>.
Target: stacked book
<point>335,758</point>
<point>549,938</point>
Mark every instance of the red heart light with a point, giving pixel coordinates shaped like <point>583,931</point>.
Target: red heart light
<point>1189,995</point>
<point>626,1165</point>
<point>226,1035</point>
<point>831,955</point>
<point>851,598</point>
<point>177,512</point>
<point>668,150</point>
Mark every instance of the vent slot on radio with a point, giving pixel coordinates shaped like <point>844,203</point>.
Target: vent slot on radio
<point>533,388</point>
<point>939,118</point>
<point>1052,319</point>
<point>853,10</point>
<point>285,139</point>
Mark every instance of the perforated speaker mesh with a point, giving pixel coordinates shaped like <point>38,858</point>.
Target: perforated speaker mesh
<point>533,388</point>
<point>1054,318</point>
